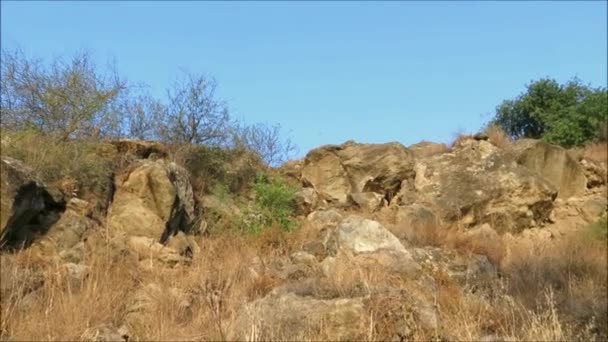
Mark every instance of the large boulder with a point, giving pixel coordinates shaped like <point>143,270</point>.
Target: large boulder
<point>337,171</point>
<point>476,183</point>
<point>27,207</point>
<point>153,200</point>
<point>289,317</point>
<point>553,163</point>
<point>369,244</point>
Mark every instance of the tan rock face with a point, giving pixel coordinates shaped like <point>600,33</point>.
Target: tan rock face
<point>370,244</point>
<point>306,201</point>
<point>476,183</point>
<point>367,201</point>
<point>427,149</point>
<point>554,164</point>
<point>340,170</point>
<point>287,316</point>
<point>153,200</point>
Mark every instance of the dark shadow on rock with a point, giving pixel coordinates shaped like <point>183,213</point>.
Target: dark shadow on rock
<point>34,212</point>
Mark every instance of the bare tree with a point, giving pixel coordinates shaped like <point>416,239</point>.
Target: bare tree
<point>68,98</point>
<point>143,117</point>
<point>194,115</point>
<point>267,141</point>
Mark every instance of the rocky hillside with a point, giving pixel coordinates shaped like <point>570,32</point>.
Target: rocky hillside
<point>426,242</point>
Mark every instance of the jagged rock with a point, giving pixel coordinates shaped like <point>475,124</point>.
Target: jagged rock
<point>367,201</point>
<point>287,316</point>
<point>27,208</point>
<point>476,183</point>
<point>325,218</point>
<point>595,172</point>
<point>70,229</point>
<point>306,201</point>
<point>337,171</point>
<point>594,207</point>
<point>148,251</point>
<point>154,200</point>
<point>554,163</point>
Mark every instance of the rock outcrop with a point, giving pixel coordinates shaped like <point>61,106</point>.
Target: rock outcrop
<point>554,164</point>
<point>337,171</point>
<point>153,200</point>
<point>476,183</point>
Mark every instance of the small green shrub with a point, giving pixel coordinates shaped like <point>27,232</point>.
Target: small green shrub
<point>273,205</point>
<point>599,229</point>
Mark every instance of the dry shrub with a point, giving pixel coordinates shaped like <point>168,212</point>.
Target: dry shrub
<point>459,139</point>
<point>575,269</point>
<point>497,136</point>
<point>56,311</point>
<point>85,164</point>
<point>481,242</point>
<point>209,166</point>
<point>596,152</point>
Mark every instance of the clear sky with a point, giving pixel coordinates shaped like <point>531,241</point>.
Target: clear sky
<point>333,71</point>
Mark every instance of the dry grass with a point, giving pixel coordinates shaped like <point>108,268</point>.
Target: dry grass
<point>596,152</point>
<point>498,137</point>
<point>575,268</point>
<point>553,293</point>
<point>78,166</point>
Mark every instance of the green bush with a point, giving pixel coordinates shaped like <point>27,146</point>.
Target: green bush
<point>570,114</point>
<point>599,229</point>
<point>273,205</point>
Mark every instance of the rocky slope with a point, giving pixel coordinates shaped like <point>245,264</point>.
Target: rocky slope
<point>380,241</point>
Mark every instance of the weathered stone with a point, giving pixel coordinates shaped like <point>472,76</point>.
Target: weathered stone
<point>477,183</point>
<point>367,201</point>
<point>370,243</point>
<point>337,171</point>
<point>553,163</point>
<point>306,201</point>
<point>154,200</point>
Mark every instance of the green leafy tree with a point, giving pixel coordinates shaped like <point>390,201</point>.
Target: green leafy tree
<point>569,115</point>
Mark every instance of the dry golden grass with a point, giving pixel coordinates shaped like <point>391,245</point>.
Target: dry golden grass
<point>597,152</point>
<point>498,137</point>
<point>552,293</point>
<point>80,166</point>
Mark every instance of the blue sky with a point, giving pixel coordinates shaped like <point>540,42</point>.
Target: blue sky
<point>333,71</point>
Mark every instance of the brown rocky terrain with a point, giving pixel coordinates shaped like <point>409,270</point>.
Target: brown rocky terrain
<point>428,242</point>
